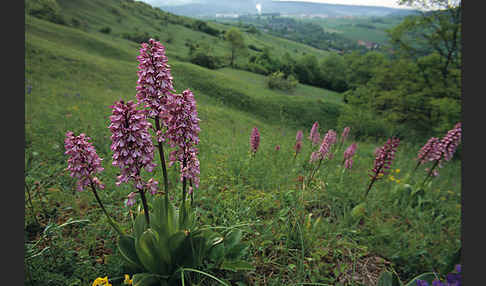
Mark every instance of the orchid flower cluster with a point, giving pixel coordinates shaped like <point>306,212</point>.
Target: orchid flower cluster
<point>348,156</point>
<point>383,159</point>
<point>183,134</point>
<point>133,150</point>
<point>438,151</point>
<point>314,135</point>
<point>254,140</point>
<point>345,134</point>
<point>324,150</point>
<point>298,142</point>
<point>83,163</point>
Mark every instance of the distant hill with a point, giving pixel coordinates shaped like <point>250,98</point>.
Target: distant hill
<point>209,8</point>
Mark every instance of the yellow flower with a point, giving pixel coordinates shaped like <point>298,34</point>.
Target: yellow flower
<point>101,282</point>
<point>127,281</point>
<point>398,181</point>
<point>392,178</point>
<point>397,171</point>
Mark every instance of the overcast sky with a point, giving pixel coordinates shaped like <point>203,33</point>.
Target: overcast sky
<point>383,3</point>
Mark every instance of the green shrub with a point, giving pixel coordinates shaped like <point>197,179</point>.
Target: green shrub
<point>105,30</point>
<point>277,80</point>
<point>206,60</point>
<point>365,123</point>
<point>45,9</point>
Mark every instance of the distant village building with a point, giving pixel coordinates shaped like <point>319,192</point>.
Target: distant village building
<point>221,15</point>
<point>368,45</point>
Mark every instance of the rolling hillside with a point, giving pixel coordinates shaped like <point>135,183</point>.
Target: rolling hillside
<point>96,68</point>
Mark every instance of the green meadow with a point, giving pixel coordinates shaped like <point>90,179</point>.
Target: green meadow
<point>298,232</point>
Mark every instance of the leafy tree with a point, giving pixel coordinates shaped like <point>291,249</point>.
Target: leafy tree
<point>236,42</point>
<point>307,70</point>
<point>362,68</point>
<point>437,31</point>
<point>333,72</point>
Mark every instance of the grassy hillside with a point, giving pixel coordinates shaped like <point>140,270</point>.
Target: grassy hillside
<point>369,29</point>
<point>296,233</point>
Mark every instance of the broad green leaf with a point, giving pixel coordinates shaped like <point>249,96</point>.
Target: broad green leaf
<point>140,225</point>
<point>232,238</point>
<point>217,253</point>
<point>126,245</point>
<point>428,276</point>
<point>358,211</point>
<point>388,279</point>
<point>146,248</point>
<point>236,251</point>
<point>236,265</point>
<point>145,279</point>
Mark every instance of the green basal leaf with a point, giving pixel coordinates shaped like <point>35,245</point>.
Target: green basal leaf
<point>428,276</point>
<point>236,266</point>
<point>232,238</point>
<point>146,279</point>
<point>126,245</point>
<point>388,279</point>
<point>217,253</point>
<point>236,251</point>
<point>140,225</point>
<point>147,252</point>
<point>358,211</point>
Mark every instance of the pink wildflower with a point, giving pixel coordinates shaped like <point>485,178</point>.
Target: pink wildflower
<point>384,158</point>
<point>325,148</point>
<point>441,150</point>
<point>450,142</point>
<point>298,142</point>
<point>429,151</point>
<point>254,140</point>
<point>83,162</point>
<point>277,148</point>
<point>154,77</point>
<point>183,133</point>
<point>131,142</point>
<point>348,164</point>
<point>348,154</point>
<point>314,136</point>
<point>298,147</point>
<point>345,134</point>
<point>299,136</point>
<point>130,199</point>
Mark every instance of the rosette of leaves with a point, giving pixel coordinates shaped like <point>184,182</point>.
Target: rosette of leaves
<point>173,244</point>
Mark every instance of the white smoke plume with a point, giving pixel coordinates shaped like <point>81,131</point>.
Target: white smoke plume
<point>259,8</point>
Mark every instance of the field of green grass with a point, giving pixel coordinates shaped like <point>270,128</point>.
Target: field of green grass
<point>297,233</point>
<point>372,29</point>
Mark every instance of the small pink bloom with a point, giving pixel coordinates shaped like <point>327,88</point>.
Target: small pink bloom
<point>254,139</point>
<point>384,158</point>
<point>183,129</point>
<point>83,162</point>
<point>348,164</point>
<point>131,200</point>
<point>131,142</point>
<point>314,136</point>
<point>345,134</point>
